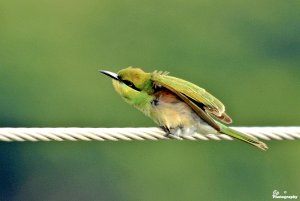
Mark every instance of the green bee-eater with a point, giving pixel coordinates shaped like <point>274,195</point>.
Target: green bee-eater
<point>178,106</point>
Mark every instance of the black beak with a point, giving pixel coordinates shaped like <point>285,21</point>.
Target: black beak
<point>110,74</point>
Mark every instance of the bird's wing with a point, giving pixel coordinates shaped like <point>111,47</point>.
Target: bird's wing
<point>198,98</point>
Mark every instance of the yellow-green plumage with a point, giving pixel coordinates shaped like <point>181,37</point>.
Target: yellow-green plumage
<point>189,89</point>
<point>178,106</point>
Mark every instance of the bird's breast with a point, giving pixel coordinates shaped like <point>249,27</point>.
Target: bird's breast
<point>170,111</point>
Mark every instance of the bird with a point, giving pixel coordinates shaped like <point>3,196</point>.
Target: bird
<point>179,107</point>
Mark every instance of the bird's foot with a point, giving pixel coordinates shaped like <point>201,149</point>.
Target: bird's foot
<point>179,131</point>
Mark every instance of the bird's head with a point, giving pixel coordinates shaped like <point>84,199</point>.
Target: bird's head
<point>129,82</point>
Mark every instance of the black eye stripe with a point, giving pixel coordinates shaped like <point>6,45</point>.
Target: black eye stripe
<point>130,84</point>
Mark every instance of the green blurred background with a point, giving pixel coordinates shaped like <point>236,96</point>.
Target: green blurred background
<point>247,53</point>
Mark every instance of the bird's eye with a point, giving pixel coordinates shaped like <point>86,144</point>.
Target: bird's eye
<point>128,83</point>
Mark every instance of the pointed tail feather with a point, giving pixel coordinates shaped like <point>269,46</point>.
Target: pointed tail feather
<point>241,136</point>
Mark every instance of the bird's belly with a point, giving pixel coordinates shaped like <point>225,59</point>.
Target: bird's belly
<point>179,118</point>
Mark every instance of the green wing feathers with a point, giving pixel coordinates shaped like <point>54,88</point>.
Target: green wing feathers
<point>189,89</point>
<point>211,104</point>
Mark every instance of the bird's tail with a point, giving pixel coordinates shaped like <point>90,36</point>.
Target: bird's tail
<point>241,136</point>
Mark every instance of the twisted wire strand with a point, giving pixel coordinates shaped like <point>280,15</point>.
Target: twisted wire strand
<point>115,134</point>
